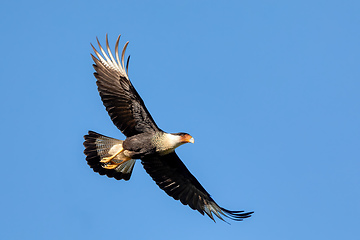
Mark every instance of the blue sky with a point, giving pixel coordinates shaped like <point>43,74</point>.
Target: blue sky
<point>268,89</point>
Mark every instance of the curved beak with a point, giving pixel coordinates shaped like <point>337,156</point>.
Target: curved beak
<point>187,138</point>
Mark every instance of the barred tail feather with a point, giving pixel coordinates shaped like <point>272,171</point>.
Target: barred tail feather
<point>97,147</point>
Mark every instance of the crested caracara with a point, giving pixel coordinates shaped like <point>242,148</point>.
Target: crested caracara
<point>144,140</point>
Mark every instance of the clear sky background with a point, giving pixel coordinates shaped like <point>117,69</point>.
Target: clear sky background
<point>268,89</point>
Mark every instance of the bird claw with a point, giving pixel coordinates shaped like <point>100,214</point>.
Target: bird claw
<point>106,159</point>
<point>111,166</point>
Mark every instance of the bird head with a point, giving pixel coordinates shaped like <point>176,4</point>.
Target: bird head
<point>185,138</point>
<point>170,141</point>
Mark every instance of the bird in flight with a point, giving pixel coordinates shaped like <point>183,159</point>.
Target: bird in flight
<point>144,140</point>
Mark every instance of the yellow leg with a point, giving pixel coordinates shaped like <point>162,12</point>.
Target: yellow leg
<point>108,159</point>
<point>110,166</point>
<point>113,165</point>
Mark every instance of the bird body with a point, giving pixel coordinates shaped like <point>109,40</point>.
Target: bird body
<point>144,140</point>
<point>141,145</point>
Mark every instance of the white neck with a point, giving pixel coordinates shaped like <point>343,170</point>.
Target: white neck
<point>168,143</point>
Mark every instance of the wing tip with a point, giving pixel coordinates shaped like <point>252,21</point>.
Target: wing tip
<point>235,215</point>
<point>107,59</point>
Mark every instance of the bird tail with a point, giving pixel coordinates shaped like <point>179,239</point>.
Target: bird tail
<point>105,156</point>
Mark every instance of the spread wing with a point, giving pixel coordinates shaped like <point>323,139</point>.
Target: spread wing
<point>172,176</point>
<point>124,105</point>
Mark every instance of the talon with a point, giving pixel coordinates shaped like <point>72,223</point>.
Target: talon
<point>114,165</point>
<point>111,166</point>
<point>106,159</point>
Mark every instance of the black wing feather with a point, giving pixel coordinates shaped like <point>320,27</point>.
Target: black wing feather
<point>172,176</point>
<point>121,100</point>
